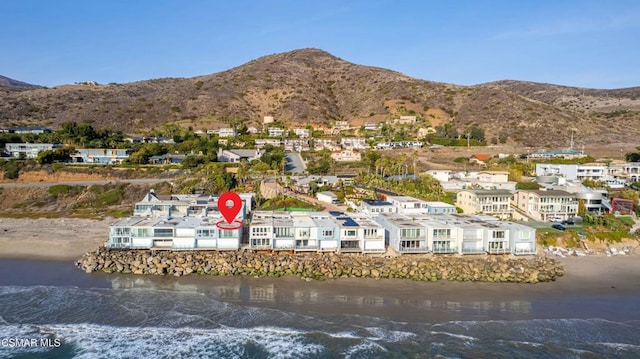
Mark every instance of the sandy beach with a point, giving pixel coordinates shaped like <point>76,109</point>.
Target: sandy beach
<point>51,238</point>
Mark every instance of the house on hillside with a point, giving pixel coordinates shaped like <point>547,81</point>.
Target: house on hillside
<point>28,150</point>
<point>237,155</point>
<point>327,197</point>
<point>346,156</point>
<point>479,158</point>
<point>103,156</point>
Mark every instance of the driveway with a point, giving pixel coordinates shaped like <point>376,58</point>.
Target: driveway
<point>295,164</point>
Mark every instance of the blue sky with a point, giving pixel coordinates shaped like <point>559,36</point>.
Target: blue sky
<point>575,43</point>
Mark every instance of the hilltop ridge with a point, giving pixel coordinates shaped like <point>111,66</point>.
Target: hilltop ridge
<point>311,86</point>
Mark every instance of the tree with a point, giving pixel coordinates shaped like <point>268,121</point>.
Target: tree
<point>527,185</point>
<point>633,156</point>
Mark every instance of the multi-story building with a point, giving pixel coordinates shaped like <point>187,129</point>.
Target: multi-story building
<point>102,156</point>
<point>302,132</point>
<point>276,132</point>
<point>325,143</point>
<point>354,143</point>
<point>296,144</point>
<point>28,150</point>
<point>261,142</point>
<point>493,202</point>
<point>543,205</point>
<point>595,172</point>
<point>346,156</point>
<point>237,155</point>
<point>410,205</point>
<point>227,132</point>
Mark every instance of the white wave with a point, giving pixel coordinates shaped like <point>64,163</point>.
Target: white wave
<point>454,335</point>
<point>392,336</point>
<point>363,349</point>
<point>621,346</point>
<point>96,341</point>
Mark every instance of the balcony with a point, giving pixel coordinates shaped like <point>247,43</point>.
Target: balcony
<point>414,249</point>
<point>306,248</point>
<point>473,251</point>
<point>499,251</point>
<point>445,250</point>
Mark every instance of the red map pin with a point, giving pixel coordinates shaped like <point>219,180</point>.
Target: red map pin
<point>229,212</point>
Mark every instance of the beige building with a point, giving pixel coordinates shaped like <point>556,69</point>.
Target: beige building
<point>493,202</point>
<point>545,205</point>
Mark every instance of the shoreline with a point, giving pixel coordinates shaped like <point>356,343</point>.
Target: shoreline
<point>68,239</point>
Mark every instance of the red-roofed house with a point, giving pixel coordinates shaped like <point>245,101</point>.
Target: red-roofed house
<point>479,158</point>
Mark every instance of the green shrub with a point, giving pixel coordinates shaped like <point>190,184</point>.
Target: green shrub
<point>59,189</point>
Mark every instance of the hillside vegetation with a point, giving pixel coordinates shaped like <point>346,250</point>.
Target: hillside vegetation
<point>310,86</point>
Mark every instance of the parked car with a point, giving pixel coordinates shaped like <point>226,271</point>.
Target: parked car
<point>556,219</point>
<point>558,227</point>
<point>567,222</point>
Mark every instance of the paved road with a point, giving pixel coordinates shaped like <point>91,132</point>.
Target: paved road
<point>295,164</point>
<point>84,183</point>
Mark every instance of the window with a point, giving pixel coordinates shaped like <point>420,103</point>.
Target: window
<point>283,232</point>
<point>525,234</point>
<point>205,232</point>
<point>303,233</point>
<point>442,232</point>
<point>226,233</point>
<point>410,233</point>
<point>441,246</point>
<point>259,231</point>
<point>410,244</point>
<point>498,234</point>
<point>370,232</point>
<point>327,233</point>
<point>261,242</point>
<point>163,232</point>
<point>350,233</point>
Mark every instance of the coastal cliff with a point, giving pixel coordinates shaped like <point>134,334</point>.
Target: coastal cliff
<point>323,265</point>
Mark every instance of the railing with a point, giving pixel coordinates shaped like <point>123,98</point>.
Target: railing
<point>445,250</point>
<point>376,250</point>
<point>262,246</point>
<point>499,251</point>
<point>414,249</point>
<point>350,250</point>
<point>118,245</point>
<point>473,250</point>
<point>306,248</point>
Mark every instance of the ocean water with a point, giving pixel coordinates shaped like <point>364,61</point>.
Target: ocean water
<point>52,310</point>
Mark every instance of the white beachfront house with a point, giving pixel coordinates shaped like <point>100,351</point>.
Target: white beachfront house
<point>374,207</point>
<point>299,231</point>
<point>522,239</point>
<point>172,233</point>
<point>404,234</point>
<point>411,205</point>
<point>454,233</point>
<point>442,237</point>
<point>181,205</point>
<point>180,221</point>
<point>370,234</point>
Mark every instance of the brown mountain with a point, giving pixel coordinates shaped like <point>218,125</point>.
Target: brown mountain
<point>311,86</point>
<point>11,84</point>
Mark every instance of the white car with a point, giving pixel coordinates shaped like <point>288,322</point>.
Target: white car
<point>556,219</point>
